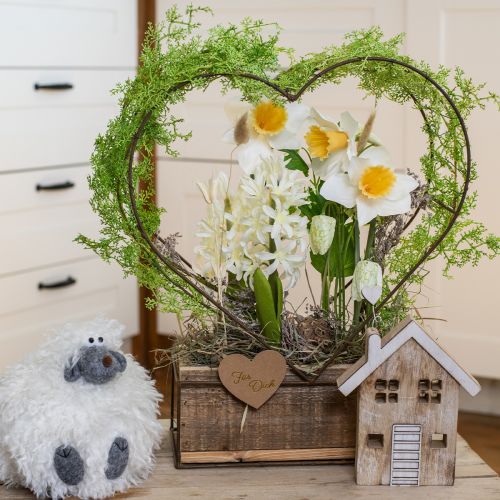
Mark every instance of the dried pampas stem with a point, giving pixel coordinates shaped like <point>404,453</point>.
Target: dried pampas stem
<point>365,133</point>
<point>241,130</point>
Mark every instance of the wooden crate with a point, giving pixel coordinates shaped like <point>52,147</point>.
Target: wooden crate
<point>303,422</point>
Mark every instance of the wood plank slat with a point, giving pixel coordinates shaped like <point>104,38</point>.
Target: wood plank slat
<point>268,455</point>
<point>293,482</point>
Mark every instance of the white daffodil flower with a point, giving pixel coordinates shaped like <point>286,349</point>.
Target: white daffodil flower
<point>321,233</point>
<point>367,281</point>
<point>259,129</point>
<point>330,146</point>
<point>372,186</point>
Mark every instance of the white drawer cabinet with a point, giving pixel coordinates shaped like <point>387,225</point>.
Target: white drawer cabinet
<point>49,209</point>
<point>40,189</point>
<point>40,128</point>
<point>58,63</point>
<point>27,312</point>
<point>68,33</point>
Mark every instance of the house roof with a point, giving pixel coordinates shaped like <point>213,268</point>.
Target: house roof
<point>378,351</point>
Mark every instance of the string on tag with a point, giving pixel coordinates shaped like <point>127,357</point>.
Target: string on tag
<point>243,419</point>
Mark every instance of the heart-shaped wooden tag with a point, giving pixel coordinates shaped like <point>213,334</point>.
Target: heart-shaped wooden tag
<point>372,293</point>
<point>253,381</point>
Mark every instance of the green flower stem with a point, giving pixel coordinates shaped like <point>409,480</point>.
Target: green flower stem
<point>325,286</point>
<point>370,242</point>
<point>357,258</point>
<point>326,279</point>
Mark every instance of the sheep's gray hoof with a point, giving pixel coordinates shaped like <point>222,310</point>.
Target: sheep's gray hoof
<point>117,458</point>
<point>69,465</point>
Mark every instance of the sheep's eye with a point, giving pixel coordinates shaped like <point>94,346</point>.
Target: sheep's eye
<point>91,340</point>
<point>100,339</point>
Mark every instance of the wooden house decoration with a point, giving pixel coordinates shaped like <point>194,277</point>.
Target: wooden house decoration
<point>407,408</point>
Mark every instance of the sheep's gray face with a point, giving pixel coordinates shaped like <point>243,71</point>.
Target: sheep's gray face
<point>97,364</point>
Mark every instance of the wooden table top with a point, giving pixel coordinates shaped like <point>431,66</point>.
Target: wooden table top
<point>474,479</point>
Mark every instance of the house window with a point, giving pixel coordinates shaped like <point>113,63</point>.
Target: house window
<point>436,385</point>
<point>438,440</point>
<point>394,385</point>
<point>423,397</point>
<point>429,391</point>
<point>424,384</point>
<point>375,441</point>
<point>387,391</point>
<point>393,397</point>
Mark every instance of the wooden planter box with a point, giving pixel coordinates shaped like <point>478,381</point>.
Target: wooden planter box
<point>302,422</point>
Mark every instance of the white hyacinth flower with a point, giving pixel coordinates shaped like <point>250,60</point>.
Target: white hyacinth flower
<point>259,226</point>
<point>367,281</point>
<point>321,233</point>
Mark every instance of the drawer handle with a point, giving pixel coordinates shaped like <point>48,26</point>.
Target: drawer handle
<point>57,284</point>
<point>53,86</point>
<point>56,186</point>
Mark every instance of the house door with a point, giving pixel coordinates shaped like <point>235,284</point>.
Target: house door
<point>405,458</point>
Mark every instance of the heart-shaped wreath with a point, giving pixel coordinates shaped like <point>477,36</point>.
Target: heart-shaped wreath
<point>243,58</point>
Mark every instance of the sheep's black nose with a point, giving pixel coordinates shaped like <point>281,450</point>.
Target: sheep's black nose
<point>107,361</point>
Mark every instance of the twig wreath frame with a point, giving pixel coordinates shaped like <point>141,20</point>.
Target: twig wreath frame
<point>242,58</point>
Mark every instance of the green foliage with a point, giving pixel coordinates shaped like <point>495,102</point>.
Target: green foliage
<point>173,58</point>
<point>277,289</point>
<point>269,304</point>
<point>295,161</point>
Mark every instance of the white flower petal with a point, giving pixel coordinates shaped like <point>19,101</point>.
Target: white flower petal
<point>322,121</point>
<point>235,109</point>
<point>377,155</point>
<point>336,163</point>
<point>297,114</point>
<point>286,140</point>
<point>367,209</point>
<point>394,207</point>
<point>349,125</point>
<point>251,154</point>
<point>404,184</point>
<point>228,136</point>
<point>269,211</point>
<point>338,188</point>
<point>356,167</point>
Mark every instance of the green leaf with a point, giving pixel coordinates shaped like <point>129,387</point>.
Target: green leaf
<point>294,161</point>
<point>277,289</point>
<point>266,312</point>
<point>347,252</point>
<point>315,204</point>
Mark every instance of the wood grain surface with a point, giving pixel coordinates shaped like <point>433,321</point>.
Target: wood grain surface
<point>253,381</point>
<point>298,416</point>
<point>474,479</point>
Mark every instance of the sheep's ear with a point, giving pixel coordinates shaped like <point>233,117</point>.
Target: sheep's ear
<point>120,358</point>
<point>72,373</point>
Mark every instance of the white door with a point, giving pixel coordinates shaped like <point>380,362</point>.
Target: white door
<point>405,455</point>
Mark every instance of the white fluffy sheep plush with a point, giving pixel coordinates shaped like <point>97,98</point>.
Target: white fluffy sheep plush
<point>78,417</point>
